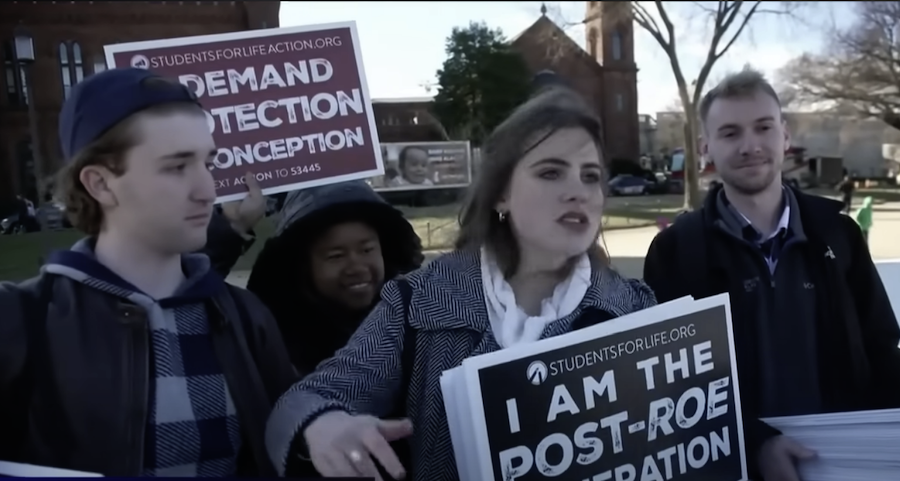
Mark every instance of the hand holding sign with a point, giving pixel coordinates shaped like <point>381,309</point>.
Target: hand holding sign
<point>289,104</point>
<point>778,457</point>
<point>244,214</point>
<point>342,445</point>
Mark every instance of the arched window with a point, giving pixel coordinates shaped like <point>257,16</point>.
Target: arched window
<point>71,65</point>
<point>64,70</point>
<point>16,87</point>
<point>78,64</point>
<point>617,46</point>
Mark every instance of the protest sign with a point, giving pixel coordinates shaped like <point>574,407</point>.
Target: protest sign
<point>648,396</point>
<point>889,271</point>
<point>19,470</point>
<point>290,105</point>
<point>424,165</point>
<point>862,445</point>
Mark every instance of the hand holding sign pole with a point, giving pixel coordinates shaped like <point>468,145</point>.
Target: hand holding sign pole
<point>244,214</point>
<point>289,105</point>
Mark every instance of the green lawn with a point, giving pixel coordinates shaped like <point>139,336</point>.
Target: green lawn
<point>20,255</point>
<point>437,227</point>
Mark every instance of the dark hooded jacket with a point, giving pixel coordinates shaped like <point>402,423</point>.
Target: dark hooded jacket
<point>312,327</point>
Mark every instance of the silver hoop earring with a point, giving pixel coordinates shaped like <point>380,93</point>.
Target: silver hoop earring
<point>501,216</point>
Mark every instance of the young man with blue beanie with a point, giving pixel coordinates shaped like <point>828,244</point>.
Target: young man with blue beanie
<point>129,356</point>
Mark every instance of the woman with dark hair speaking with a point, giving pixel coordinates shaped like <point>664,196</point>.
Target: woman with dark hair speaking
<point>527,266</point>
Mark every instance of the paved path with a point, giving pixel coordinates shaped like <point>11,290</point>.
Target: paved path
<point>628,246</point>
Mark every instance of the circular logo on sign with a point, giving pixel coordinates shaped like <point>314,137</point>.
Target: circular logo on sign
<point>140,61</point>
<point>536,373</point>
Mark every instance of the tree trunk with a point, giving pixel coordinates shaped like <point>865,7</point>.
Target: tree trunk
<point>692,198</point>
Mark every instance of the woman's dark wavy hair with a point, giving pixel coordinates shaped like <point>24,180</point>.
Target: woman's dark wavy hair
<point>549,110</point>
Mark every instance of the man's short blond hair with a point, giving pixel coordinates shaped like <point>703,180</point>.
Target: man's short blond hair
<point>737,85</point>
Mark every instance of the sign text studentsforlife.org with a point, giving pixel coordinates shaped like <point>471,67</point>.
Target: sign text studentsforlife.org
<point>652,403</point>
<point>290,105</point>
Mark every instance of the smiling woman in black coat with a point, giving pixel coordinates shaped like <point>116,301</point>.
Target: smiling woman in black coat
<point>322,272</point>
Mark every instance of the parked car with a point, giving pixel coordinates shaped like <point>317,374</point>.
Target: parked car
<point>53,216</point>
<point>660,184</point>
<point>630,185</point>
<point>11,225</point>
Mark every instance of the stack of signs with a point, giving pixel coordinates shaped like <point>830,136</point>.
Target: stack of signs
<point>648,396</point>
<point>889,271</point>
<point>849,446</point>
<point>18,470</point>
<point>290,105</point>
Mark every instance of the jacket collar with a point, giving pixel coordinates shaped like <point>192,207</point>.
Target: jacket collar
<point>449,293</point>
<point>813,209</point>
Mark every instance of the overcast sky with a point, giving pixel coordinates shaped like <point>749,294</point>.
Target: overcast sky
<point>403,42</point>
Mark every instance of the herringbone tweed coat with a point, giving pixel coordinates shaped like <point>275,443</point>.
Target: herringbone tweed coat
<point>448,312</point>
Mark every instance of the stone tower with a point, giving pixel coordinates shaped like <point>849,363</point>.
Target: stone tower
<point>609,27</point>
<point>610,34</point>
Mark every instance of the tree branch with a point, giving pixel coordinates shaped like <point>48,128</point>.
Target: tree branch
<point>860,70</point>
<point>730,20</point>
<point>724,19</point>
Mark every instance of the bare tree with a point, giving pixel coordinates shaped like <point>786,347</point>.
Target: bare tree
<point>675,105</point>
<point>860,68</point>
<point>728,22</point>
<point>789,96</point>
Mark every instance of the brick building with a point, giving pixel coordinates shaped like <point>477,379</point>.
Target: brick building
<point>605,74</point>
<point>69,39</point>
<point>407,120</point>
<point>68,43</point>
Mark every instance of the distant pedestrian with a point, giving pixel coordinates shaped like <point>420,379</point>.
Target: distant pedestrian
<point>863,217</point>
<point>846,188</point>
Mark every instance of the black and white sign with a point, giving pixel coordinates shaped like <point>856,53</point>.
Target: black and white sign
<point>652,396</point>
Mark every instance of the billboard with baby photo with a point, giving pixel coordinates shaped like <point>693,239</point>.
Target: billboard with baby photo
<point>424,165</point>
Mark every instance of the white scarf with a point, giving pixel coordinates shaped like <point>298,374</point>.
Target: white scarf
<point>510,324</point>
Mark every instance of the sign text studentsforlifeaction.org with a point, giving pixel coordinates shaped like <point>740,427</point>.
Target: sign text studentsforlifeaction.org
<point>657,405</point>
<point>290,105</point>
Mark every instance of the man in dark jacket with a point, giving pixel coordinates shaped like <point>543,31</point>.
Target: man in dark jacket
<point>127,356</point>
<point>813,328</point>
<point>846,188</point>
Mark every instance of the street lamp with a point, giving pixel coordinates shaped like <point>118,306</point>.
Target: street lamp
<point>25,56</point>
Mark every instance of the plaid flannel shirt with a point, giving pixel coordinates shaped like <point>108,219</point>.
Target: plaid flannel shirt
<point>192,427</point>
